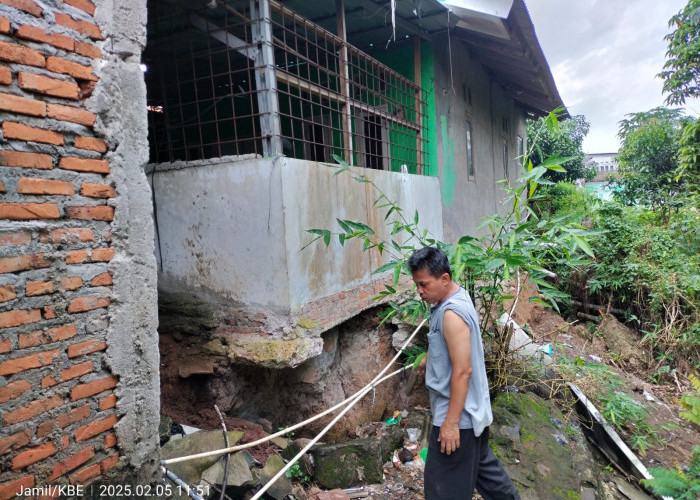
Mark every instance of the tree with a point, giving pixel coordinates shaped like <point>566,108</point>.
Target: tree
<point>649,155</point>
<point>561,139</point>
<point>681,73</point>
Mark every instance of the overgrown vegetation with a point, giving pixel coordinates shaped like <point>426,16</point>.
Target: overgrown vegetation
<point>678,483</point>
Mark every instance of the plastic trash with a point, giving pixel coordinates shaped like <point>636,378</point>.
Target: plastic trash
<point>413,433</point>
<point>423,454</point>
<point>547,349</point>
<point>394,419</point>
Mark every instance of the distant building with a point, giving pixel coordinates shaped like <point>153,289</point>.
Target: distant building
<point>605,165</point>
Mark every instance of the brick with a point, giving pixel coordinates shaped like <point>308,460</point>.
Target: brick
<point>102,254</point>
<point>36,34</point>
<point>48,381</point>
<point>95,428</point>
<point>17,104</point>
<point>5,345</point>
<point>15,441</point>
<point>84,165</point>
<point>29,211</point>
<point>110,462</point>
<point>91,388</point>
<point>12,130</point>
<point>23,263</point>
<point>12,488</point>
<point>110,440</point>
<point>4,24</point>
<point>76,70</point>
<point>86,347</point>
<point>7,292</point>
<point>33,455</point>
<point>26,160</point>
<point>100,212</point>
<point>41,337</point>
<point>34,288</point>
<point>3,189</point>
<point>90,143</point>
<point>76,371</point>
<point>14,237</point>
<point>108,402</point>
<point>28,185</point>
<point>29,6</point>
<point>83,5</point>
<point>82,304</point>
<point>13,390</point>
<point>63,421</point>
<point>37,360</point>
<point>85,474</point>
<point>16,318</point>
<point>48,86</point>
<point>88,50</point>
<point>84,27</point>
<point>97,190</point>
<point>71,235</point>
<point>104,279</point>
<point>19,54</point>
<point>76,257</point>
<point>71,114</point>
<point>32,410</point>
<point>72,462</point>
<point>48,312</point>
<point>5,76</point>
<point>71,283</point>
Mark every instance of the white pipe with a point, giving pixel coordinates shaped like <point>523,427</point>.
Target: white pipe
<point>370,385</point>
<point>315,440</point>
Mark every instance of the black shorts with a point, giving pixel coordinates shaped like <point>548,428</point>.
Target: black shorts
<point>472,465</point>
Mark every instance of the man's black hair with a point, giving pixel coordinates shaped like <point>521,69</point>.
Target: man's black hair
<point>431,258</point>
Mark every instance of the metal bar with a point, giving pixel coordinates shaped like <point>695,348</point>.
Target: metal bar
<point>344,82</point>
<point>417,104</point>
<point>223,36</point>
<point>268,104</point>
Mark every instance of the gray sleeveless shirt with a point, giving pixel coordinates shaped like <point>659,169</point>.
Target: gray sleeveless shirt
<point>477,407</point>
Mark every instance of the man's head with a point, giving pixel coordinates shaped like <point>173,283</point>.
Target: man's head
<point>431,274</point>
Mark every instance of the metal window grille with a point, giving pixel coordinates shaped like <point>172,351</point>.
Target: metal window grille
<point>207,97</point>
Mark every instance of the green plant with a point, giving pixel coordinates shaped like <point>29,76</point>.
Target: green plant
<point>624,412</point>
<point>677,483</point>
<point>691,402</point>
<point>681,73</point>
<point>414,355</point>
<point>296,473</point>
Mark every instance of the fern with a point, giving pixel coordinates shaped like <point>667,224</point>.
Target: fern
<point>676,483</point>
<point>691,402</point>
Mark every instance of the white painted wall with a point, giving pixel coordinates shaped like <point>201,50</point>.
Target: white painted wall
<point>233,229</point>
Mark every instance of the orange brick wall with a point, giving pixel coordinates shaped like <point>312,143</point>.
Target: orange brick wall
<point>59,397</point>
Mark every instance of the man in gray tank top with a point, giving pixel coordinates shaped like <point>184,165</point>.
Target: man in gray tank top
<point>459,456</point>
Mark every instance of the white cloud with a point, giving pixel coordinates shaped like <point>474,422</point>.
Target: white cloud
<point>605,55</point>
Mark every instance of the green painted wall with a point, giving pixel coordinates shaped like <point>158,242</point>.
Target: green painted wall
<point>400,60</point>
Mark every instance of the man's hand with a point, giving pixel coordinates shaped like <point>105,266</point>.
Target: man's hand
<point>421,366</point>
<point>449,437</point>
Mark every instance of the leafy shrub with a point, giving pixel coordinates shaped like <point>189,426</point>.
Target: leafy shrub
<point>567,197</point>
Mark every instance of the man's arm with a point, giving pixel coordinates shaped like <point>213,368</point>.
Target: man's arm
<point>456,334</point>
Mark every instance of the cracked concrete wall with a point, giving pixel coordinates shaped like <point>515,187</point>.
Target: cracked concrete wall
<point>120,102</point>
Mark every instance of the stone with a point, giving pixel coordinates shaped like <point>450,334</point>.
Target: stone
<point>343,465</point>
<point>164,429</point>
<point>619,339</point>
<point>280,442</point>
<point>215,347</point>
<point>273,353</point>
<point>239,479</point>
<point>192,444</point>
<point>196,366</point>
<point>543,462</point>
<point>306,462</point>
<point>283,486</point>
<point>317,494</point>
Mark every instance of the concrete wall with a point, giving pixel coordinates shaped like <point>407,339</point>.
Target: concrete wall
<point>466,201</point>
<point>79,373</point>
<point>231,233</point>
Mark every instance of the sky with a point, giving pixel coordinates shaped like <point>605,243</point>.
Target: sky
<point>604,55</point>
